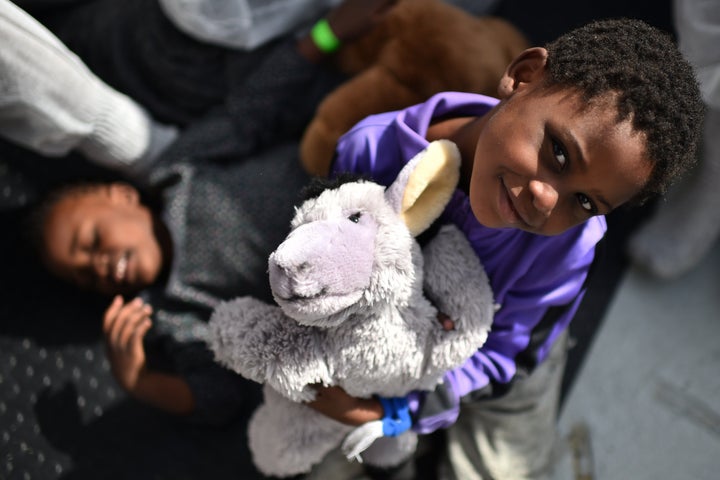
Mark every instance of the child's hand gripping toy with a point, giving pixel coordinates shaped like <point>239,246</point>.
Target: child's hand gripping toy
<point>349,283</point>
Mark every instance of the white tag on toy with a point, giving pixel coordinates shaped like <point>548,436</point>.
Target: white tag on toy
<point>361,438</point>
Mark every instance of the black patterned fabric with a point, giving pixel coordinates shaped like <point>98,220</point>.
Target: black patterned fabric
<point>61,413</point>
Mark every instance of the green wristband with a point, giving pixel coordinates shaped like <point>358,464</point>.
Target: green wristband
<point>324,38</point>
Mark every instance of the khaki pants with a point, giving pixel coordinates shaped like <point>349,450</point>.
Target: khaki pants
<point>512,437</point>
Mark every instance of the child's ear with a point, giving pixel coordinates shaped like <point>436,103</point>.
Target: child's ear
<point>123,193</point>
<point>527,67</point>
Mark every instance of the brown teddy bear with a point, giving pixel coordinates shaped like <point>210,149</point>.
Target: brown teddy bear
<point>421,47</point>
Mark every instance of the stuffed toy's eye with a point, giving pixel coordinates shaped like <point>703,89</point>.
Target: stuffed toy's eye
<point>355,217</point>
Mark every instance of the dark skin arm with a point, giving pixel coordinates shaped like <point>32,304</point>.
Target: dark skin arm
<point>333,402</point>
<point>349,20</point>
<point>124,327</point>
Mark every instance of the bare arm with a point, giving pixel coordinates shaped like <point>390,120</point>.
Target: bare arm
<point>349,20</point>
<point>170,393</point>
<point>333,402</point>
<point>125,326</point>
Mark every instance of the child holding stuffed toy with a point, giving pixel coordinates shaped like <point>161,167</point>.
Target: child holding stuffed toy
<point>606,115</point>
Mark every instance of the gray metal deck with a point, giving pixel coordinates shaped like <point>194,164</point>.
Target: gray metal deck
<point>648,392</point>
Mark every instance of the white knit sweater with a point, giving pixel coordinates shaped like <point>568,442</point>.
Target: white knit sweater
<point>51,103</point>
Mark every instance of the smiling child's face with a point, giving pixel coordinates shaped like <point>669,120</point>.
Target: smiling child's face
<point>546,161</point>
<point>103,239</point>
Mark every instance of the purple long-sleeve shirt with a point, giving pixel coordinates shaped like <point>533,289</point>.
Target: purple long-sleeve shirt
<point>537,280</point>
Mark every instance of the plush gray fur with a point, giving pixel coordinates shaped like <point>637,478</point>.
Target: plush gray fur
<point>349,284</point>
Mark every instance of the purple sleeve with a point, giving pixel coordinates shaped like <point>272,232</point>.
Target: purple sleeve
<point>381,144</point>
<point>370,148</point>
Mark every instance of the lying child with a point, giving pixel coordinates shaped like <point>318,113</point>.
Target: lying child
<point>204,239</point>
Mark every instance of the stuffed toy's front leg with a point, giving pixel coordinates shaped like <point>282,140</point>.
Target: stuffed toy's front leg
<point>456,283</point>
<point>287,438</point>
<point>261,343</point>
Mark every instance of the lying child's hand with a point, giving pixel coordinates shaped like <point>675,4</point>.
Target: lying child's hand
<point>125,326</point>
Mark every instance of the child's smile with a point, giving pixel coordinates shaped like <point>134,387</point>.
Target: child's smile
<point>116,267</point>
<point>506,206</point>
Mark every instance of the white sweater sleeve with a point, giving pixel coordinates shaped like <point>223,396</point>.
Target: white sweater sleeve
<point>50,102</point>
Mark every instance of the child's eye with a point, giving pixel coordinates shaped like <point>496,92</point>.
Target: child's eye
<point>559,153</point>
<point>586,203</point>
<point>91,241</point>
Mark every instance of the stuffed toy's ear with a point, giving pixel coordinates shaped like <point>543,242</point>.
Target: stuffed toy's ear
<point>424,186</point>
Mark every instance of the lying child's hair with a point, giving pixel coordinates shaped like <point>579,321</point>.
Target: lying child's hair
<point>655,85</point>
<point>38,212</point>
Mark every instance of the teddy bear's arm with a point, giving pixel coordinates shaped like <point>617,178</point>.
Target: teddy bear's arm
<point>259,342</point>
<point>373,91</point>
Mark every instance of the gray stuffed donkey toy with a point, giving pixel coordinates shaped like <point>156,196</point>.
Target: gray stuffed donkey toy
<point>355,312</point>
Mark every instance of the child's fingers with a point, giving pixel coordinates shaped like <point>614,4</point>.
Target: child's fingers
<point>129,324</point>
<point>136,341</point>
<point>111,313</point>
<point>125,318</point>
<point>133,327</point>
<point>446,322</point>
<point>116,325</point>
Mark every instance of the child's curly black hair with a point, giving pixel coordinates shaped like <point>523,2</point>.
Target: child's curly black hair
<point>36,214</point>
<point>655,85</point>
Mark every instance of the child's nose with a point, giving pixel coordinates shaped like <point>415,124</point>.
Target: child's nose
<point>101,264</point>
<point>545,196</point>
